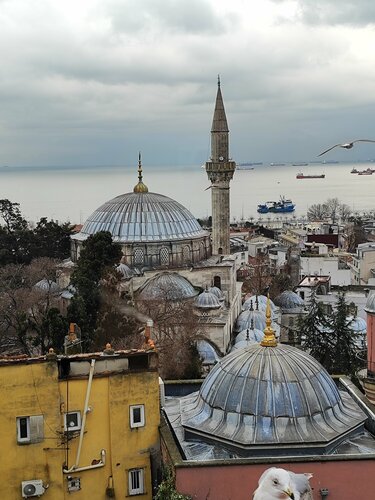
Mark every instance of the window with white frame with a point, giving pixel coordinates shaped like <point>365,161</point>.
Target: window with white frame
<point>136,482</point>
<point>30,429</point>
<point>137,416</point>
<point>72,421</point>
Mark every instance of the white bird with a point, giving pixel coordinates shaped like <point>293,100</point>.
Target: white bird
<point>281,484</point>
<point>347,145</point>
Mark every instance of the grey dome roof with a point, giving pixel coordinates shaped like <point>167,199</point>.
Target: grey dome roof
<point>207,352</point>
<point>370,304</point>
<point>207,300</point>
<point>216,291</point>
<point>262,396</point>
<point>167,286</point>
<point>46,285</point>
<point>254,319</point>
<point>142,217</point>
<point>125,270</point>
<point>289,300</point>
<point>357,324</point>
<point>255,336</point>
<point>262,303</point>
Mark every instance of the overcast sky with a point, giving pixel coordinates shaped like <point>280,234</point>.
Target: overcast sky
<point>91,82</point>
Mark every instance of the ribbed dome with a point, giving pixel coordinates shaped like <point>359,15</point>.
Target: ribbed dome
<point>216,291</point>
<point>46,285</point>
<point>262,396</point>
<point>254,319</point>
<point>207,300</point>
<point>142,217</point>
<point>289,300</point>
<point>125,270</point>
<point>255,336</point>
<point>262,303</point>
<point>357,324</point>
<point>167,286</point>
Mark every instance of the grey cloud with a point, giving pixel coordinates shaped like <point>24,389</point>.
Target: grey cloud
<point>190,17</point>
<point>335,12</point>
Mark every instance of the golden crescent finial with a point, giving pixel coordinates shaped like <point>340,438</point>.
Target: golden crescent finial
<point>269,339</point>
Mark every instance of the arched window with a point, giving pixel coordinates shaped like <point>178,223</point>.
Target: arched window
<point>138,257</point>
<point>202,251</point>
<point>217,281</point>
<point>164,256</point>
<point>186,254</point>
<point>220,251</point>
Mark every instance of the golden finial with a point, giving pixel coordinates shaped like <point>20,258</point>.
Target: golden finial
<point>269,339</point>
<point>140,187</point>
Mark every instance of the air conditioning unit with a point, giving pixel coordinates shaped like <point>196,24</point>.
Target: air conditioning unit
<point>32,488</point>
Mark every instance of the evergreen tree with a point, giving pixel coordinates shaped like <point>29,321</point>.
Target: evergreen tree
<point>345,350</point>
<point>316,333</point>
<point>98,257</point>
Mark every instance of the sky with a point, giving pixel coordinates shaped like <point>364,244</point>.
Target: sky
<point>92,82</point>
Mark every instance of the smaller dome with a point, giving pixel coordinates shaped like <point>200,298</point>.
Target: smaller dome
<point>125,271</point>
<point>167,286</point>
<point>46,285</point>
<point>216,291</point>
<point>357,324</point>
<point>254,319</point>
<point>370,304</point>
<point>289,300</point>
<point>207,300</point>
<point>262,303</point>
<point>207,352</point>
<point>251,335</point>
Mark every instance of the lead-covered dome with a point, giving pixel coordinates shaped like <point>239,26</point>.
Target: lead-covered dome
<point>289,300</point>
<point>152,229</point>
<point>167,286</point>
<point>259,397</point>
<point>143,217</point>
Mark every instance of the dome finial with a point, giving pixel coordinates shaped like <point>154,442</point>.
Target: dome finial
<point>218,81</point>
<point>140,187</point>
<point>269,339</point>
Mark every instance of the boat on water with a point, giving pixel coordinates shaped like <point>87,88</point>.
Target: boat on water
<point>368,171</point>
<point>276,207</point>
<point>354,171</point>
<point>301,175</point>
<point>299,164</point>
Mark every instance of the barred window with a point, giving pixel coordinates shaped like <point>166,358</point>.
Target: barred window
<point>138,256</point>
<point>136,482</point>
<point>164,256</point>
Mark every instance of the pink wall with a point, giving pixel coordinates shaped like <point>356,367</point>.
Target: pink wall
<point>345,480</point>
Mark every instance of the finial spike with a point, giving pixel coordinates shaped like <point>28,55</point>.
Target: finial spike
<point>140,187</point>
<point>269,339</point>
<point>218,81</point>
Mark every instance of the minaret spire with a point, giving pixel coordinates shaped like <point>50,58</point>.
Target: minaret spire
<point>140,187</point>
<point>220,170</point>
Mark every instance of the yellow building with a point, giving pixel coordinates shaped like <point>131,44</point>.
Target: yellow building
<point>83,426</point>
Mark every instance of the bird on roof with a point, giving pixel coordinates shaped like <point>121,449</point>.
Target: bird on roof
<point>278,484</point>
<point>347,145</point>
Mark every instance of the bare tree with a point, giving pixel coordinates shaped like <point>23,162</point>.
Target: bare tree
<point>317,212</point>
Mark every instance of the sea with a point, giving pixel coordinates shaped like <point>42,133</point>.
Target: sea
<point>71,194</point>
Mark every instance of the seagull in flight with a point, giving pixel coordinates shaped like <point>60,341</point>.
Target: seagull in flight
<point>347,145</point>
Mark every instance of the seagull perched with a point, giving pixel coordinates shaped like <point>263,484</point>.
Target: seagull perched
<point>347,145</point>
<point>281,484</point>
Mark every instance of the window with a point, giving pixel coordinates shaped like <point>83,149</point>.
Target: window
<point>164,256</point>
<point>137,416</point>
<point>30,429</point>
<point>72,421</point>
<point>136,481</point>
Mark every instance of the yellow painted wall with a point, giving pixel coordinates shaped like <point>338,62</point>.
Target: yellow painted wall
<point>34,389</point>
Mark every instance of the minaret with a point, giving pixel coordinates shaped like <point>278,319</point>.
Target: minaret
<point>220,170</point>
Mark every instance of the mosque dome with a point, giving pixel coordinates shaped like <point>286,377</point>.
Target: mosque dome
<point>357,324</point>
<point>251,302</point>
<point>259,397</point>
<point>152,229</point>
<point>46,285</point>
<point>216,291</point>
<point>167,286</point>
<point>254,319</point>
<point>289,300</point>
<point>125,271</point>
<point>207,300</point>
<point>252,335</point>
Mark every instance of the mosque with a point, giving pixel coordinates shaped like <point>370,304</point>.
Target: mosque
<point>164,246</point>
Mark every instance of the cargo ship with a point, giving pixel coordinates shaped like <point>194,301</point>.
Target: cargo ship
<point>300,175</point>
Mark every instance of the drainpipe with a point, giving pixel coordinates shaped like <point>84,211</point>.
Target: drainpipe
<point>85,411</point>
